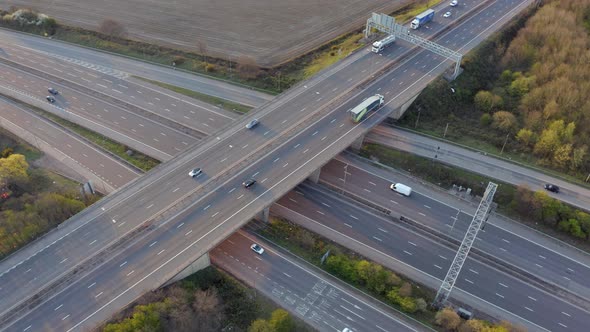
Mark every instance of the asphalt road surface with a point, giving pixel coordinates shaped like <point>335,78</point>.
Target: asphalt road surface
<point>477,162</point>
<point>146,135</point>
<point>111,63</point>
<point>309,293</point>
<point>446,219</point>
<point>484,283</point>
<point>278,153</point>
<point>113,172</point>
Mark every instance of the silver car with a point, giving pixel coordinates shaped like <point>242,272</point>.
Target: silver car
<point>252,124</point>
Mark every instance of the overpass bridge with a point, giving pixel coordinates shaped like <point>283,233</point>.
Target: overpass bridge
<point>143,235</point>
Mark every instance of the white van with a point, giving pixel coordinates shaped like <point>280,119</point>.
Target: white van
<point>401,188</point>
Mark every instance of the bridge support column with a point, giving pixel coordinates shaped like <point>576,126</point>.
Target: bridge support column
<point>264,214</point>
<point>357,144</point>
<point>201,263</point>
<point>398,112</point>
<point>315,176</point>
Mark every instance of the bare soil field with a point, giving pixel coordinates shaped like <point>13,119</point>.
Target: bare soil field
<point>269,31</point>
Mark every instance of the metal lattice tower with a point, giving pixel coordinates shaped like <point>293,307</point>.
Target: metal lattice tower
<point>386,24</point>
<point>478,220</point>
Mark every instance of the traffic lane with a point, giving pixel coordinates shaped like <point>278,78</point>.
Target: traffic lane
<point>505,245</point>
<point>110,170</point>
<point>137,127</point>
<point>488,165</point>
<point>428,256</point>
<point>175,107</point>
<point>314,299</point>
<point>205,85</point>
<point>322,97</point>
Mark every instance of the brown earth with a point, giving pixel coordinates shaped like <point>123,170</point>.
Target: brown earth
<point>270,31</point>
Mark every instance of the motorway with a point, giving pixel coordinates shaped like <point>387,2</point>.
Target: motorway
<point>111,172</point>
<point>311,294</point>
<point>446,219</point>
<point>86,57</point>
<point>215,209</point>
<point>474,161</point>
<point>405,247</point>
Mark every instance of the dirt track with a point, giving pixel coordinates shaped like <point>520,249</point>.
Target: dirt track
<point>270,31</point>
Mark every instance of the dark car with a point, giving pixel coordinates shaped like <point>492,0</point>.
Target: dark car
<point>249,183</point>
<point>50,99</point>
<point>53,91</point>
<point>552,188</point>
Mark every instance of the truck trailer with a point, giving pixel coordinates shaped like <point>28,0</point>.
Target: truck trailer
<point>422,19</point>
<point>380,45</point>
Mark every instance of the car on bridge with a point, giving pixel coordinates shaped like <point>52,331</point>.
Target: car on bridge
<point>252,124</point>
<point>447,14</point>
<point>53,91</point>
<point>249,183</point>
<point>195,172</point>
<point>50,99</point>
<point>454,3</point>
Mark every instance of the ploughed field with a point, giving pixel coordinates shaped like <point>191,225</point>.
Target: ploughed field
<point>270,31</point>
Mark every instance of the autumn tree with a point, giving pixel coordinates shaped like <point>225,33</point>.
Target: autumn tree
<point>504,121</point>
<point>487,101</point>
<point>112,29</point>
<point>448,319</point>
<point>281,321</point>
<point>13,168</point>
<point>247,67</point>
<point>260,325</point>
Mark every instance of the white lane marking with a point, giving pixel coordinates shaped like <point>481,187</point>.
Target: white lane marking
<point>123,264</point>
<point>324,204</point>
<point>505,240</point>
<point>242,195</point>
<point>529,309</point>
<point>501,284</point>
<point>407,252</point>
<point>285,165</point>
<point>394,202</point>
<point>97,295</point>
<point>180,225</point>
<point>373,183</point>
<point>175,190</point>
<point>426,206</point>
<point>153,243</point>
<point>439,267</point>
<point>562,325</point>
<point>187,233</point>
<point>348,225</point>
<point>566,278</point>
<point>352,312</point>
<point>378,239</point>
<point>66,316</point>
<point>63,261</point>
<point>92,285</point>
<point>214,214</point>
<point>381,229</point>
<point>532,298</point>
<point>130,273</point>
<point>57,308</point>
<point>149,206</point>
<point>161,251</point>
<point>292,200</point>
<point>367,190</point>
<point>232,190</point>
<point>443,257</point>
<point>206,207</point>
<point>412,243</point>
<point>469,281</point>
<point>287,275</point>
<point>264,180</point>
<point>565,313</point>
<point>93,242</point>
<point>353,217</point>
<point>473,271</point>
<point>320,212</point>
<point>541,256</point>
<point>296,146</point>
<point>500,295</point>
<point>541,266</point>
<point>254,175</point>
<point>422,214</point>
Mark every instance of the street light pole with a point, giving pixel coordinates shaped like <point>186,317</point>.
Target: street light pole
<point>505,141</point>
<point>345,172</point>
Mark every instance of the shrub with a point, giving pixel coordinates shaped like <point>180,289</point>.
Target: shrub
<point>448,319</point>
<point>485,120</point>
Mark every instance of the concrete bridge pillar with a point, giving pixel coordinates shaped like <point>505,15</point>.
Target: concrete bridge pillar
<point>315,176</point>
<point>201,263</point>
<point>357,144</point>
<point>263,215</point>
<point>398,112</point>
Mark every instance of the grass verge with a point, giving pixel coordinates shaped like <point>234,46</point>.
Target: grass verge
<point>219,102</point>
